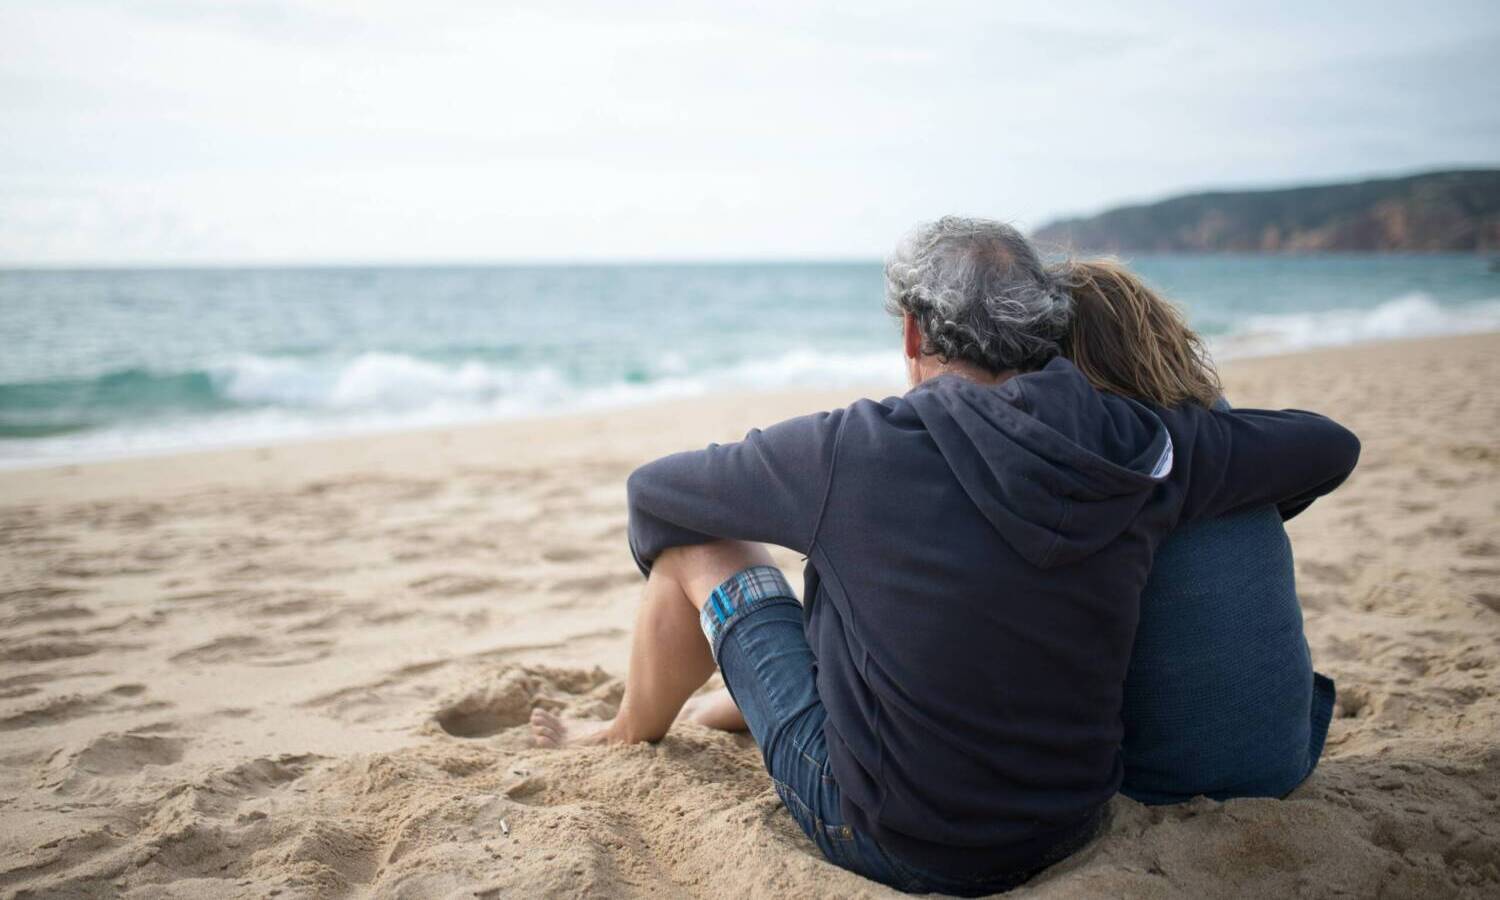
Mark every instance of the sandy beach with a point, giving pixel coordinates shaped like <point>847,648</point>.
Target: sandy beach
<point>305,670</point>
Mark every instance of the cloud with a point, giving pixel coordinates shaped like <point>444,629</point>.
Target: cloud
<point>287,130</point>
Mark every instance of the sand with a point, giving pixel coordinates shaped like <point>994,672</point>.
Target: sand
<point>304,670</point>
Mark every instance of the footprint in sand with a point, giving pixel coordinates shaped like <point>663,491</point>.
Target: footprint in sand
<point>57,710</point>
<point>292,604</point>
<point>32,616</point>
<point>237,598</point>
<point>492,707</point>
<point>392,694</point>
<point>222,649</point>
<point>1325,572</point>
<point>23,685</point>
<point>454,585</point>
<point>1448,527</point>
<point>258,777</point>
<point>116,754</point>
<point>591,583</point>
<point>47,650</point>
<point>505,700</point>
<point>247,649</point>
<point>564,554</point>
<point>1353,703</point>
<point>43,592</point>
<point>81,566</point>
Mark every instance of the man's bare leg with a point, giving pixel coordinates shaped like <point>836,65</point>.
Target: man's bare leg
<point>669,657</point>
<point>716,709</point>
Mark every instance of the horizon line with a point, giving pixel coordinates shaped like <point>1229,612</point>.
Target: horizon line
<point>642,262</point>
<point>493,263</point>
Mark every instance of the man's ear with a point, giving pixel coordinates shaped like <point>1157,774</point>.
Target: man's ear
<point>911,336</point>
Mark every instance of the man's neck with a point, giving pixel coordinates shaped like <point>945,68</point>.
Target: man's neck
<point>929,368</point>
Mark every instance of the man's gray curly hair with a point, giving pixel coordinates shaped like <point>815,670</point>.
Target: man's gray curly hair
<point>979,293</point>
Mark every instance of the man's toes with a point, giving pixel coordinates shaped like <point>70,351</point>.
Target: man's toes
<point>546,730</point>
<point>546,736</point>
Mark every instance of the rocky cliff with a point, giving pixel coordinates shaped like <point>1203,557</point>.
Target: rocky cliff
<point>1438,211</point>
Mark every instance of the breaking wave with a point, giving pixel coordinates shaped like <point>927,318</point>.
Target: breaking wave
<point>1409,316</point>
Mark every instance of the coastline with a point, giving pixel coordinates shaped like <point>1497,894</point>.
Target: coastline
<point>426,449</point>
<point>306,666</point>
<point>165,382</point>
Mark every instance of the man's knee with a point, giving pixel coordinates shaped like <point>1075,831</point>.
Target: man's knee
<point>699,568</point>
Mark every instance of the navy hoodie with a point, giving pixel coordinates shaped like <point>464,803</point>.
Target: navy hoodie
<point>975,561</point>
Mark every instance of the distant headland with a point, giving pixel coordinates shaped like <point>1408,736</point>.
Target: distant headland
<point>1456,211</point>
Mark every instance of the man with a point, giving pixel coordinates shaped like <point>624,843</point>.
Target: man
<point>945,715</point>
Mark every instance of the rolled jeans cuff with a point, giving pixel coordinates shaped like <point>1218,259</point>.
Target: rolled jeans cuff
<point>740,593</point>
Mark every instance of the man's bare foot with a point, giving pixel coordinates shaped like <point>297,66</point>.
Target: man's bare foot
<point>549,730</point>
<point>715,709</point>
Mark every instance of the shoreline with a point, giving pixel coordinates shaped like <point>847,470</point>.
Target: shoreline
<point>512,429</point>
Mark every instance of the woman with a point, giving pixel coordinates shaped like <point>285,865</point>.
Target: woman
<point>1221,699</point>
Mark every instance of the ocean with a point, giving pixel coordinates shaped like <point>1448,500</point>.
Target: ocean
<point>106,363</point>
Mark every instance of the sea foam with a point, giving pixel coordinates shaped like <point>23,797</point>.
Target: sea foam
<point>1408,316</point>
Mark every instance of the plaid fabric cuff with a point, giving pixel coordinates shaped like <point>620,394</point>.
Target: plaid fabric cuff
<point>742,592</point>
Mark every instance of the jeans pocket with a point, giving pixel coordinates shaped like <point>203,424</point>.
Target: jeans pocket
<point>837,843</point>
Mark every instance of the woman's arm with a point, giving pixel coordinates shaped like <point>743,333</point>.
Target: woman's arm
<point>1250,457</point>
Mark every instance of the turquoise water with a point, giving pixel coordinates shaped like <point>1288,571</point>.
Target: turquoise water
<point>101,363</point>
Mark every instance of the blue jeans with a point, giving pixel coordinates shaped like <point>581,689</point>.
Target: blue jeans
<point>1221,698</point>
<point>754,625</point>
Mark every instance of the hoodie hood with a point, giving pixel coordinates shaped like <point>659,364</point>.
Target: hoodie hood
<point>1057,467</point>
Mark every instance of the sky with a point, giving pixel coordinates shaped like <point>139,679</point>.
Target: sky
<point>351,131</point>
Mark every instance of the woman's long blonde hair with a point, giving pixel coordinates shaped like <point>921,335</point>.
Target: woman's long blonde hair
<point>1128,340</point>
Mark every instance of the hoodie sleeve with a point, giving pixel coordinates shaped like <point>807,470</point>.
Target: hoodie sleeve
<point>767,488</point>
<point>1251,457</point>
